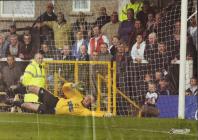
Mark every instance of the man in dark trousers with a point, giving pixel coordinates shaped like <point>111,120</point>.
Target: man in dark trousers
<point>45,33</point>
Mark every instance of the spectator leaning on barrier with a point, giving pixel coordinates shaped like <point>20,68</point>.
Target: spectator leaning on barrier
<point>34,75</point>
<point>14,47</point>
<point>137,52</point>
<point>27,49</point>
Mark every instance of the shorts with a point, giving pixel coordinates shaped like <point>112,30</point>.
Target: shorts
<point>48,102</point>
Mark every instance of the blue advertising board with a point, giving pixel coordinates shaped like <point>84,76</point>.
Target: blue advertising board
<point>168,106</point>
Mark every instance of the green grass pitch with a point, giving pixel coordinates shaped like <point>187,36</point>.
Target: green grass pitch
<point>16,126</point>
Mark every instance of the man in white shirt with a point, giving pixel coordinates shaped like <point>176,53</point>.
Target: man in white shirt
<point>137,52</point>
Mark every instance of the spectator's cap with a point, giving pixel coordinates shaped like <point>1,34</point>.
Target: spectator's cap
<point>13,24</point>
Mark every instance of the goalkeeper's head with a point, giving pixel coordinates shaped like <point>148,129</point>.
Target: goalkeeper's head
<point>88,100</point>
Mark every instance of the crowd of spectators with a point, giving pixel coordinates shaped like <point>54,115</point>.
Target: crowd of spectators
<point>141,45</point>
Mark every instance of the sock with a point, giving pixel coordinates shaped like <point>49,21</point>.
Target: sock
<point>41,93</point>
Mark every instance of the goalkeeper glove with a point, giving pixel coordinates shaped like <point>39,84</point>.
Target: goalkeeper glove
<point>79,86</point>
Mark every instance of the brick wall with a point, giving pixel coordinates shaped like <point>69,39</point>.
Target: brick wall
<point>64,6</point>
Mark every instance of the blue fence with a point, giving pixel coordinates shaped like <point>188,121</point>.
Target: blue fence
<point>168,106</point>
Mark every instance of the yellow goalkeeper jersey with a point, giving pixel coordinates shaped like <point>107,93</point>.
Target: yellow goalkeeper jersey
<point>73,104</point>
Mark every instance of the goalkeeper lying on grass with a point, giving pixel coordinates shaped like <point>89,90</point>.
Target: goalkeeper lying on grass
<point>74,102</point>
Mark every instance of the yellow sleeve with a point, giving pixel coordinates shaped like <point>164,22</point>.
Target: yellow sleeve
<point>28,74</point>
<point>49,23</point>
<point>69,92</point>
<point>69,33</point>
<point>88,112</point>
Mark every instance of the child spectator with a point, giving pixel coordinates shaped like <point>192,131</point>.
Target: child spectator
<point>193,89</point>
<point>149,108</point>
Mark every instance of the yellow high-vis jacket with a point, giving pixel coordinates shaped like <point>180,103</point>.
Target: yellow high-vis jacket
<point>137,6</point>
<point>34,75</point>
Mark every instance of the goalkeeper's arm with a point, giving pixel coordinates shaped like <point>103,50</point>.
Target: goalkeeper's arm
<point>88,112</point>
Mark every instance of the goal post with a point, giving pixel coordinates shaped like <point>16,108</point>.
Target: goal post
<point>104,80</point>
<point>182,72</point>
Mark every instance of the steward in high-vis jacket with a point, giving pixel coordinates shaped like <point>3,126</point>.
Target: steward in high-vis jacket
<point>135,5</point>
<point>34,75</point>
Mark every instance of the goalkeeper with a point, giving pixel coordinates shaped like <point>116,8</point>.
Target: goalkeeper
<point>74,102</point>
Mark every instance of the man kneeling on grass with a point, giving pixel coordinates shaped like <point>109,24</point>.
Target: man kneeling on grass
<point>74,102</point>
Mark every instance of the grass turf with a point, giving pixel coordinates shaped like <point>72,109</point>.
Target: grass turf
<point>58,127</point>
